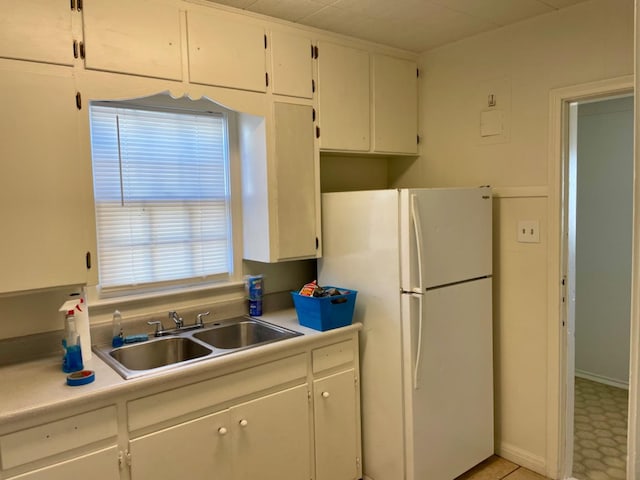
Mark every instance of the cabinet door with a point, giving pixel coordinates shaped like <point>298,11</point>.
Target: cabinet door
<point>38,30</point>
<point>102,465</point>
<point>291,64</point>
<point>140,37</point>
<point>336,427</point>
<point>395,105</point>
<point>45,184</point>
<point>296,181</point>
<point>197,450</point>
<point>273,437</point>
<point>343,95</point>
<point>226,52</point>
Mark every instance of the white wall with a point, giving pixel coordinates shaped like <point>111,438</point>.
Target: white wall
<point>604,235</point>
<point>520,64</point>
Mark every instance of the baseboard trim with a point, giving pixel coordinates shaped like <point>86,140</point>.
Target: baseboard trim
<point>523,458</point>
<point>601,379</point>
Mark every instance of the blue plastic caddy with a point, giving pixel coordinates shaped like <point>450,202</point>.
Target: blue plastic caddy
<point>325,313</point>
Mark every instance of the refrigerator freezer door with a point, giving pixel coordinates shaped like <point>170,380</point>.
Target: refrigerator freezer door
<point>449,416</point>
<point>360,251</point>
<point>456,230</point>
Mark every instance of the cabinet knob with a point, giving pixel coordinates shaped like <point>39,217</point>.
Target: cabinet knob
<point>222,431</point>
<point>243,423</point>
<point>325,394</point>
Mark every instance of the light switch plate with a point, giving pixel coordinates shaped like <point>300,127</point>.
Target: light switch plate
<point>529,231</point>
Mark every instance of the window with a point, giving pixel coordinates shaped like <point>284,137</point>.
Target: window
<point>161,186</point>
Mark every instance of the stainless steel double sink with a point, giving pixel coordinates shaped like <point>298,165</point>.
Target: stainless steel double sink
<point>181,348</point>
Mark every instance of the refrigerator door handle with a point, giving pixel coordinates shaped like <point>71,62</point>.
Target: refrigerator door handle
<point>417,292</point>
<point>417,230</point>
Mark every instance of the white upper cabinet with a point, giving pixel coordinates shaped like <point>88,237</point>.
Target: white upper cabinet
<point>343,98</point>
<point>351,119</point>
<point>45,183</point>
<point>395,105</point>
<point>140,37</point>
<point>280,194</point>
<point>225,51</point>
<point>37,30</point>
<point>291,64</point>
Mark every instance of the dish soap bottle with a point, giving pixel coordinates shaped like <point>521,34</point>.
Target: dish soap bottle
<point>118,338</point>
<point>72,361</point>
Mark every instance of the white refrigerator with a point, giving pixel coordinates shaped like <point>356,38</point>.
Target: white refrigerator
<point>421,262</point>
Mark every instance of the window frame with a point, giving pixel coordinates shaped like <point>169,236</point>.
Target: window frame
<point>165,102</point>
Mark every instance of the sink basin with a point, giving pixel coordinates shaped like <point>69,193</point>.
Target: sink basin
<point>190,346</point>
<point>243,334</point>
<point>141,358</point>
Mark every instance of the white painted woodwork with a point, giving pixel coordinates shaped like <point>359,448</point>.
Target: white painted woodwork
<point>123,36</point>
<point>45,184</point>
<point>38,30</point>
<point>295,182</point>
<point>196,450</point>
<point>42,441</point>
<point>343,96</point>
<point>225,51</point>
<point>280,189</point>
<point>336,427</point>
<point>272,436</point>
<point>99,465</point>
<point>267,438</point>
<point>395,105</point>
<point>332,356</point>
<point>252,422</point>
<point>291,64</point>
<point>151,410</point>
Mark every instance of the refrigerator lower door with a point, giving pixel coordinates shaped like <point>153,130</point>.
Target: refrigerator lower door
<point>449,413</point>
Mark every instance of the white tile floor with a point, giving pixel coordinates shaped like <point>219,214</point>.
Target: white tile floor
<point>496,468</point>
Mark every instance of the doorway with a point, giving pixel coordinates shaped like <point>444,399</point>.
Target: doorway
<point>564,237</point>
<point>599,218</point>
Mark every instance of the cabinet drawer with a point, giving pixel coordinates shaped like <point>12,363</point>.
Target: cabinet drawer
<point>332,356</point>
<point>153,409</point>
<point>44,440</point>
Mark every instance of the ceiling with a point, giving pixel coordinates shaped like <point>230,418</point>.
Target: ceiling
<point>414,25</point>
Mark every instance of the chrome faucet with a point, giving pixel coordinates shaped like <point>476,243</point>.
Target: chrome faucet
<point>173,315</point>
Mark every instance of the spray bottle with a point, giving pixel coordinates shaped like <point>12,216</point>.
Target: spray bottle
<point>72,361</point>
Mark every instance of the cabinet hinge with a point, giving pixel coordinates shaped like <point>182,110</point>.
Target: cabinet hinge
<point>312,52</point>
<point>265,41</point>
<point>266,78</point>
<point>78,100</point>
<point>73,4</point>
<point>317,243</point>
<point>124,458</point>
<point>418,72</point>
<point>309,395</point>
<point>315,52</point>
<point>313,86</point>
<point>317,132</point>
<point>313,114</point>
<point>75,49</point>
<point>81,49</point>
<point>418,139</point>
<point>88,260</point>
<point>79,5</point>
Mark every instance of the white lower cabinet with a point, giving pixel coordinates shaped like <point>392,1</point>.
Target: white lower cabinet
<point>190,450</point>
<point>292,416</point>
<point>100,465</point>
<point>336,427</point>
<point>266,438</point>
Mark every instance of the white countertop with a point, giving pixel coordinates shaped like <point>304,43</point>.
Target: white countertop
<point>39,387</point>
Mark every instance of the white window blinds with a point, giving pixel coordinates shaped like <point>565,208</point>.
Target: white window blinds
<point>162,195</point>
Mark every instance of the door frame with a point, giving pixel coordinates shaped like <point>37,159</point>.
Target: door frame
<point>559,366</point>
